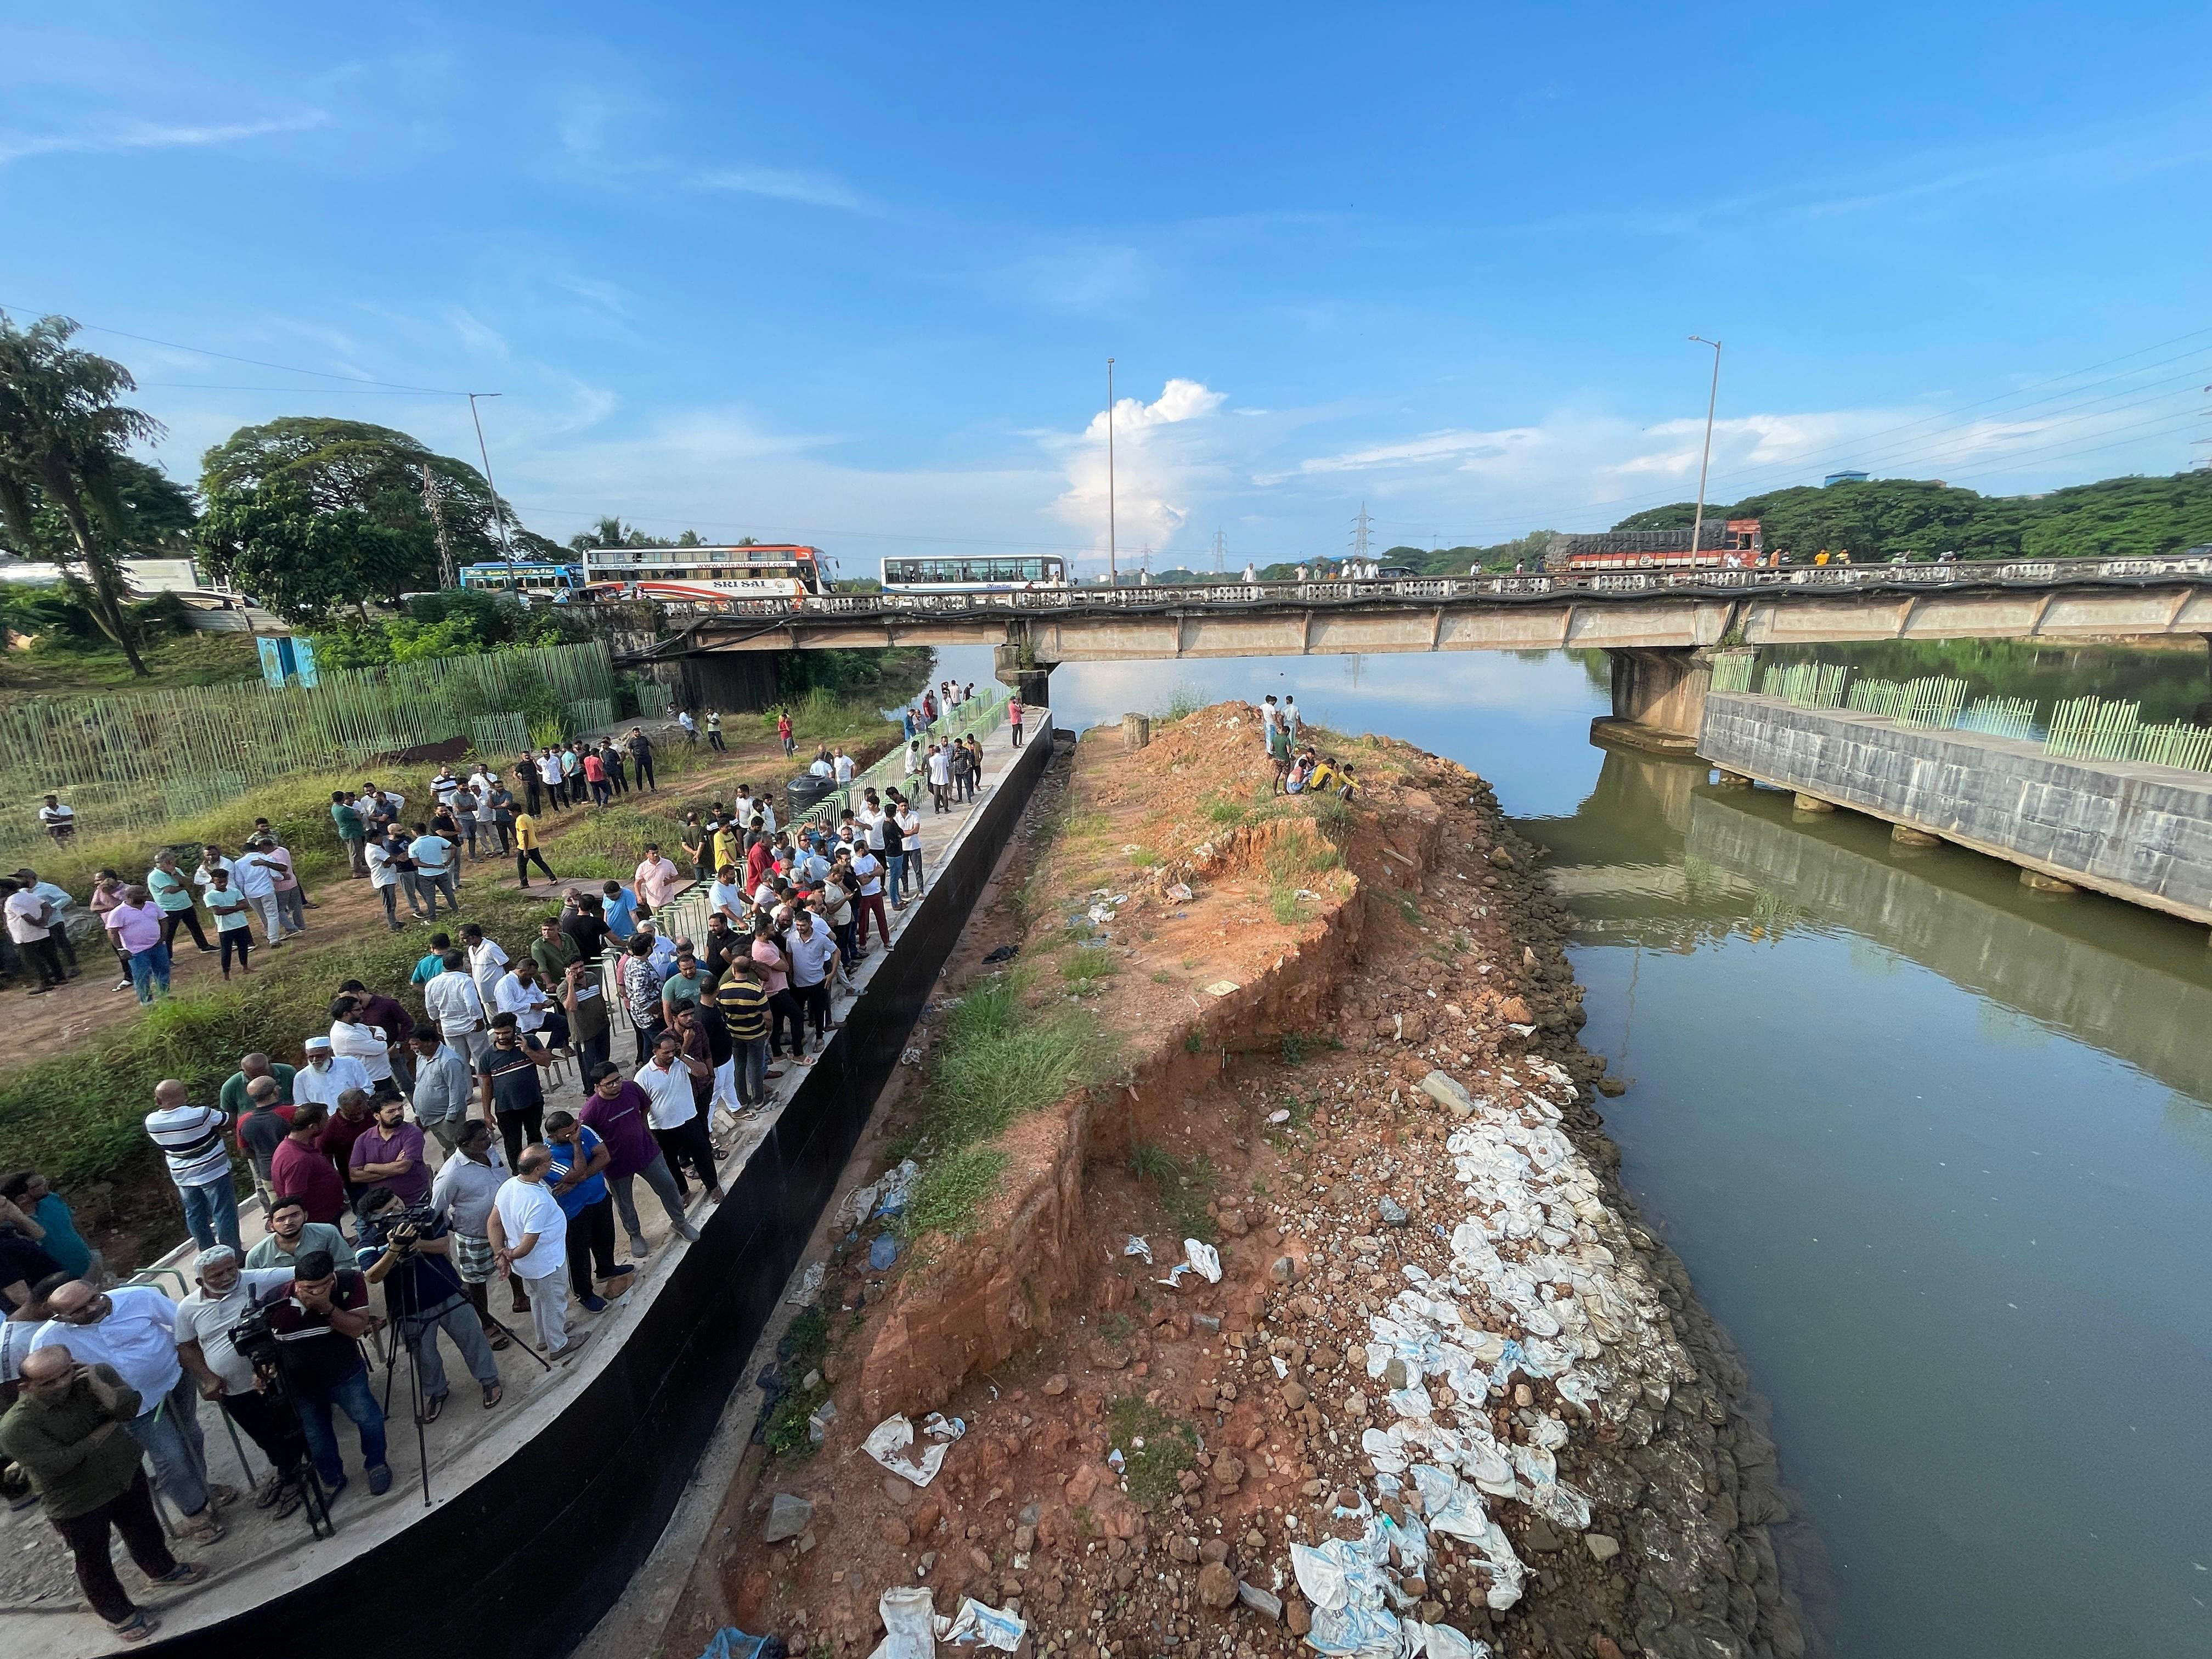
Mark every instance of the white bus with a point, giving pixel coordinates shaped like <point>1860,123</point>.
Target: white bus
<point>974,576</point>
<point>702,575</point>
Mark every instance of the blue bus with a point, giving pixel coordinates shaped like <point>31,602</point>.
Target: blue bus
<point>529,579</point>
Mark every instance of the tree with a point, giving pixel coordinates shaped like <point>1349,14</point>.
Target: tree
<point>283,479</point>
<point>611,531</point>
<point>62,438</point>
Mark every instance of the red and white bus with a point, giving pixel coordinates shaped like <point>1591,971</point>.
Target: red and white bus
<point>1726,544</point>
<point>703,575</point>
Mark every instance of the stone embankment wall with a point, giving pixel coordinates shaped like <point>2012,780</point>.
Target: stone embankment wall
<point>2139,832</point>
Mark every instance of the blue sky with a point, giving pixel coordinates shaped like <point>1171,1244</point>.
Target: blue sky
<point>855,282</point>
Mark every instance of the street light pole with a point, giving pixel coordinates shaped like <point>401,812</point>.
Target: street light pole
<point>1113,568</point>
<point>1698,524</point>
<point>506,550</point>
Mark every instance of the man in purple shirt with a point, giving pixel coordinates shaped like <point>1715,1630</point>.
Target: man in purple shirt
<point>614,1109</point>
<point>389,1153</point>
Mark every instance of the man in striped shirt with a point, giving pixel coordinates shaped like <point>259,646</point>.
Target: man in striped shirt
<point>192,1141</point>
<point>743,1001</point>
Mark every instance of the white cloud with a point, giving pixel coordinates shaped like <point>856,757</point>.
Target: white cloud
<point>785,184</point>
<point>126,136</point>
<point>1163,452</point>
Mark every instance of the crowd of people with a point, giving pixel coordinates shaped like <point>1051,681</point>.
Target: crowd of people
<point>417,1181</point>
<point>1299,766</point>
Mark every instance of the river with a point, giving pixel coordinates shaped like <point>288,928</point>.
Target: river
<point>1937,1152</point>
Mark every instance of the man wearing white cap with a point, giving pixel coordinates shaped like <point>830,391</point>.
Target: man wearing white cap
<point>327,1075</point>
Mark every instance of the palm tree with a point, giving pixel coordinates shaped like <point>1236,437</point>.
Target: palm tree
<point>62,434</point>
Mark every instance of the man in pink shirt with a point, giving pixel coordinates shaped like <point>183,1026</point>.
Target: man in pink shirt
<point>657,878</point>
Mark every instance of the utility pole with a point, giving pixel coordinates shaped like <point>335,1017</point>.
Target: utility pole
<point>1712,399</point>
<point>1220,550</point>
<point>1113,570</point>
<point>447,576</point>
<point>1360,528</point>
<point>505,548</point>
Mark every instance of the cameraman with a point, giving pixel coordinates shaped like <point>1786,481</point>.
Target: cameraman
<point>406,1249</point>
<point>205,1321</point>
<point>319,1323</point>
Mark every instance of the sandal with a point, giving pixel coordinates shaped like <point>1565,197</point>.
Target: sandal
<point>493,1394</point>
<point>203,1532</point>
<point>498,1339</point>
<point>433,1407</point>
<point>138,1630</point>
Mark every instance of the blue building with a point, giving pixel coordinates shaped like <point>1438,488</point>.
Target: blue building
<point>1843,478</point>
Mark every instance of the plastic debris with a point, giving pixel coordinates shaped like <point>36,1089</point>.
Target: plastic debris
<point>1204,1259</point>
<point>883,1252</point>
<point>1138,1246</point>
<point>1004,953</point>
<point>977,1625</point>
<point>910,1625</point>
<point>731,1642</point>
<point>887,1443</point>
<point>1261,1602</point>
<point>809,1285</point>
<point>1280,1115</point>
<point>942,1427</point>
<point>1179,891</point>
<point>1115,1461</point>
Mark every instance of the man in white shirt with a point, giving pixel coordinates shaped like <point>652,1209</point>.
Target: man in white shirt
<point>206,1320</point>
<point>822,767</point>
<point>487,961</point>
<point>436,861</point>
<point>672,1113</point>
<point>530,1239</point>
<point>520,993</point>
<point>383,876</point>
<point>31,924</point>
<point>910,824</point>
<point>57,820</point>
<point>548,773</point>
<point>253,874</point>
<point>727,895</point>
<point>443,786</point>
<point>941,776</point>
<point>451,1002</point>
<point>352,1037</point>
<point>326,1075</point>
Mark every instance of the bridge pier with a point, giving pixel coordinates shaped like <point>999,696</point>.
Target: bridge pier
<point>1014,664</point>
<point>1658,698</point>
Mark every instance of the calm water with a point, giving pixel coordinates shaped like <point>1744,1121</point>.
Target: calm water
<point>1937,1153</point>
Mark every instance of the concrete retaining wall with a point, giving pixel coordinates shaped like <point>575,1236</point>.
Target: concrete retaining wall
<point>2138,832</point>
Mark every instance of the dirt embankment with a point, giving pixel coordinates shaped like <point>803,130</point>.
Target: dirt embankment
<point>1447,1390</point>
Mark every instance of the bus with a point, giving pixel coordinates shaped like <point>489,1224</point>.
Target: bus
<point>702,575</point>
<point>1725,544</point>
<point>974,576</point>
<point>540,579</point>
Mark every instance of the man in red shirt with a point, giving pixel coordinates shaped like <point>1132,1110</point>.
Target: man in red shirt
<point>301,1168</point>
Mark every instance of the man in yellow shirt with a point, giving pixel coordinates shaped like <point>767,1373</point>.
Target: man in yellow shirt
<point>730,845</point>
<point>525,851</point>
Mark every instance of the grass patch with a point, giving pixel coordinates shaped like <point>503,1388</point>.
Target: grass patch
<point>1086,968</point>
<point>1170,1446</point>
<point>1161,977</point>
<point>802,1349</point>
<point>77,1117</point>
<point>1182,703</point>
<point>1408,907</point>
<point>951,1193</point>
<point>1181,1185</point>
<point>1282,903</point>
<point>997,1059</point>
<point>1144,859</point>
<point>1223,809</point>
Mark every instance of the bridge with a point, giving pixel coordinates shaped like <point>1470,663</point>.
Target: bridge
<point>1657,621</point>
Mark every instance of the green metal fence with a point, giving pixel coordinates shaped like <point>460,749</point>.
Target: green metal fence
<point>135,758</point>
<point>2092,728</point>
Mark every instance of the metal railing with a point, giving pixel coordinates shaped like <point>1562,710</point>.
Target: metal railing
<point>1048,601</point>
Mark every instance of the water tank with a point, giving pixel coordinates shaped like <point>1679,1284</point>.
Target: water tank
<point>806,790</point>
<point>1843,478</point>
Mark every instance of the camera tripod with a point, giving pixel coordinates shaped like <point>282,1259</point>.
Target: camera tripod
<point>314,1503</point>
<point>400,1301</point>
